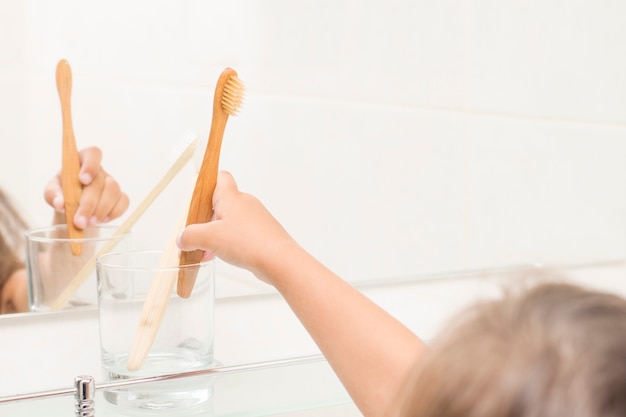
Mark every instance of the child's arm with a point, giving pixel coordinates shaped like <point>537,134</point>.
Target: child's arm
<point>370,351</point>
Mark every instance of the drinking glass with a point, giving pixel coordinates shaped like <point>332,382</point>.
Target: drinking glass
<point>146,329</point>
<point>59,278</point>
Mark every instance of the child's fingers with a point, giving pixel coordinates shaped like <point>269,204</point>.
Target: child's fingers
<point>53,194</point>
<point>90,161</point>
<point>196,236</point>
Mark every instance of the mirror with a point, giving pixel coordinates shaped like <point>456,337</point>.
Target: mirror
<point>389,145</point>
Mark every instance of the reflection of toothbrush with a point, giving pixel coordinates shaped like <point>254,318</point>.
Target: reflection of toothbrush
<point>189,142</point>
<point>227,101</point>
<point>70,183</point>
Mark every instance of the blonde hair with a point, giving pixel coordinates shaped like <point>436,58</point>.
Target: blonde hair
<point>555,350</point>
<point>12,228</point>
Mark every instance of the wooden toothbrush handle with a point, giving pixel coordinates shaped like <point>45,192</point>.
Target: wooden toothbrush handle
<point>70,162</point>
<point>188,274</point>
<point>226,100</point>
<point>201,206</point>
<point>200,211</point>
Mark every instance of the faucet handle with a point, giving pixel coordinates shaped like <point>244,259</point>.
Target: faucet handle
<point>85,394</point>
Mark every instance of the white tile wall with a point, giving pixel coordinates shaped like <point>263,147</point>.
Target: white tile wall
<point>331,86</point>
<point>392,138</point>
<point>557,59</point>
<point>544,191</point>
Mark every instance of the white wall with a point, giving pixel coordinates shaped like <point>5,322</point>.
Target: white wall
<point>391,137</point>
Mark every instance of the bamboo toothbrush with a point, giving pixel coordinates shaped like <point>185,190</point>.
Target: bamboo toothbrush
<point>70,163</point>
<point>156,302</point>
<point>190,141</point>
<point>227,101</point>
<point>158,295</point>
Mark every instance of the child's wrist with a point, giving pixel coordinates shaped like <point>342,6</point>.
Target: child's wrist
<point>276,260</point>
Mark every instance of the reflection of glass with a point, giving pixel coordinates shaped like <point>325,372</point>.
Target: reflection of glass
<point>52,266</point>
<point>184,337</point>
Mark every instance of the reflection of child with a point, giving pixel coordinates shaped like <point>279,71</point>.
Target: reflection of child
<point>553,350</point>
<point>101,201</point>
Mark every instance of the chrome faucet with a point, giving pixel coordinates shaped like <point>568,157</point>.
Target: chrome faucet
<point>85,394</point>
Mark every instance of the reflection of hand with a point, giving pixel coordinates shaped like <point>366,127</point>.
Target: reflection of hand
<point>242,233</point>
<point>102,199</point>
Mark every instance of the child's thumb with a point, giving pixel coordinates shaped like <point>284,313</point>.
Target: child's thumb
<point>195,236</point>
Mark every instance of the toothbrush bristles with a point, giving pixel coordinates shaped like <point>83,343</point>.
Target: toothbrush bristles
<point>232,97</point>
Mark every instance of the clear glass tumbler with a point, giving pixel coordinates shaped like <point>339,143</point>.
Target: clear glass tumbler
<point>60,278</point>
<point>147,330</point>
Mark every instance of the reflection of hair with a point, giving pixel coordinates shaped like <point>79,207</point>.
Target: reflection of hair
<point>555,350</point>
<point>12,228</point>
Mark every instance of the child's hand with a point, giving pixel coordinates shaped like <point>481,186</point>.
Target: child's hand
<point>242,232</point>
<point>102,199</point>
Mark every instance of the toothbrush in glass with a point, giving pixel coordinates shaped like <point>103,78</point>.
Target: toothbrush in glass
<point>157,300</point>
<point>227,100</point>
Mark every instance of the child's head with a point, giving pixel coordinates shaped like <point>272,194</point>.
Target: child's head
<point>556,350</point>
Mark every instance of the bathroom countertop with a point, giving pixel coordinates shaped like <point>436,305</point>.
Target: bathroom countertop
<point>275,374</point>
<point>271,388</point>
